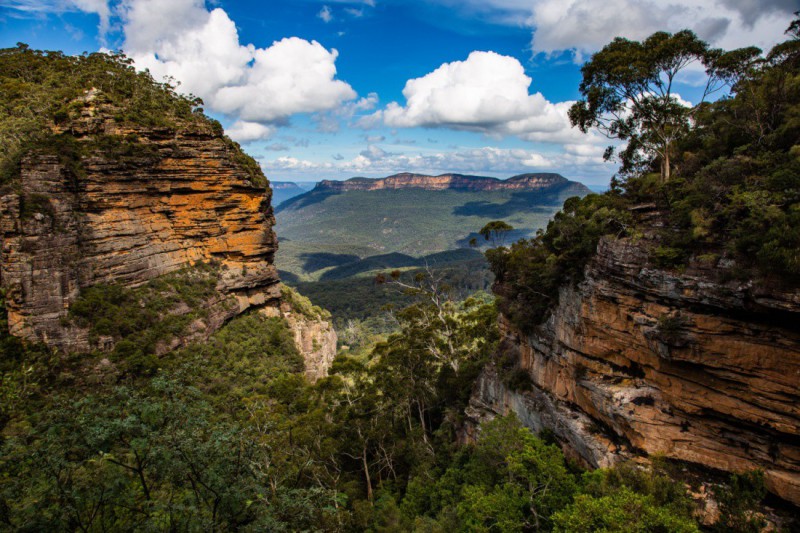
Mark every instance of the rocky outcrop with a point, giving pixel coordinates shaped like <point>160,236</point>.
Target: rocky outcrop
<point>639,360</point>
<point>316,339</point>
<point>523,182</point>
<point>126,204</point>
<point>314,335</point>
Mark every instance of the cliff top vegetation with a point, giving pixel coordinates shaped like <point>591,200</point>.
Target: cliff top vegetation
<point>733,193</point>
<point>42,91</point>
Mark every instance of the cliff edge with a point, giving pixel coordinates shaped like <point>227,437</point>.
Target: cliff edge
<point>637,359</point>
<point>109,201</point>
<point>407,180</point>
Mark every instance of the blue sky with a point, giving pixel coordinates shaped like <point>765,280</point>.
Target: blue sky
<point>334,89</point>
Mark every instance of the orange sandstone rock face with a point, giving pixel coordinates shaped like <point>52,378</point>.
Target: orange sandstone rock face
<point>639,360</point>
<point>145,203</point>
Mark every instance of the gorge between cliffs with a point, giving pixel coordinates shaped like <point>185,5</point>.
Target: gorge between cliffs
<point>416,352</point>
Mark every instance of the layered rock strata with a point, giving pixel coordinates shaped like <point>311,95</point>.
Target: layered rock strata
<point>522,182</point>
<point>639,360</point>
<point>125,205</point>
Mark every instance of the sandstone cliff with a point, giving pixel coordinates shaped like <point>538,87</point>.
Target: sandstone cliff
<point>313,331</point>
<point>316,339</point>
<point>637,360</point>
<point>125,204</point>
<point>522,182</point>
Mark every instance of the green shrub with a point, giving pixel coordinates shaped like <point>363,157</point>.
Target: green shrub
<point>138,319</point>
<point>739,501</point>
<point>621,512</point>
<point>302,305</point>
<point>249,165</point>
<point>530,272</point>
<point>668,257</point>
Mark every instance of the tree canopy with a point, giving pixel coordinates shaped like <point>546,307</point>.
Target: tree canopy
<point>496,232</point>
<point>732,196</point>
<point>628,93</point>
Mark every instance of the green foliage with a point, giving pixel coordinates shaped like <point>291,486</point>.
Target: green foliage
<point>738,503</point>
<point>622,512</point>
<point>655,481</point>
<point>632,498</point>
<point>430,364</point>
<point>302,305</point>
<point>533,475</point>
<point>511,480</point>
<point>200,447</point>
<point>530,272</point>
<point>250,356</point>
<point>138,319</point>
<point>151,457</point>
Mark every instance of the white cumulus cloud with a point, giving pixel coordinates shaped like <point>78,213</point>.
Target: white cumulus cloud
<point>292,76</point>
<point>485,90</point>
<point>487,93</point>
<point>587,25</point>
<point>245,132</point>
<point>201,49</point>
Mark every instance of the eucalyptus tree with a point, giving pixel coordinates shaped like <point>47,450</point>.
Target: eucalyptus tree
<point>628,91</point>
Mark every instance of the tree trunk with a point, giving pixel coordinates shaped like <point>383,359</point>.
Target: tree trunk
<point>366,473</point>
<point>422,421</point>
<point>665,177</point>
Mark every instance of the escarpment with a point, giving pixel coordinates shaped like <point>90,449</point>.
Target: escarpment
<point>637,359</point>
<point>105,201</point>
<point>407,180</point>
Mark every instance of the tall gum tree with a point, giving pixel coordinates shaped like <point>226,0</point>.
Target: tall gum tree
<point>628,93</point>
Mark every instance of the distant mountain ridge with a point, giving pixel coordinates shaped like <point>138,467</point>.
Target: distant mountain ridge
<point>284,190</point>
<point>408,180</point>
<point>413,214</point>
<point>291,185</point>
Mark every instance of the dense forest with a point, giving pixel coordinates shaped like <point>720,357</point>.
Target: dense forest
<point>227,435</point>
